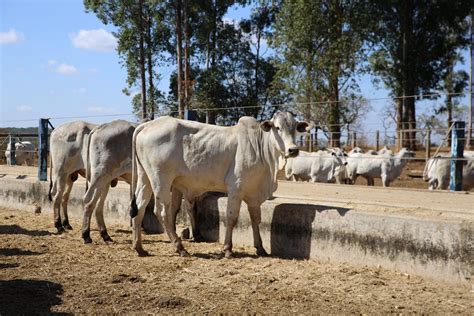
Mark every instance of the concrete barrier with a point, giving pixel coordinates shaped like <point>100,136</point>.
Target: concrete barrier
<point>427,242</point>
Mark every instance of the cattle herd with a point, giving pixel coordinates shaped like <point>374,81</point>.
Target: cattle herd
<point>169,160</point>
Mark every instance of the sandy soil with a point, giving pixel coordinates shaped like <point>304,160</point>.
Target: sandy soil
<point>41,272</point>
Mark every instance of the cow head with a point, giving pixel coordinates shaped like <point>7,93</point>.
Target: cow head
<point>339,156</point>
<point>283,128</point>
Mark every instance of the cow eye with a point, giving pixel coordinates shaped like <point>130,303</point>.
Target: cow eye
<point>277,128</point>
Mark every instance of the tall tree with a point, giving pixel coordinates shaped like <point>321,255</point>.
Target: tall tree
<point>412,49</point>
<point>321,44</point>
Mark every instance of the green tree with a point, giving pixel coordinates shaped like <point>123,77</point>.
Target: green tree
<point>414,41</point>
<point>321,47</point>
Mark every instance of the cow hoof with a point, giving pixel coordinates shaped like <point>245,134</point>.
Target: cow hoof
<point>67,226</point>
<point>262,253</point>
<point>87,240</point>
<point>142,253</point>
<point>60,230</point>
<point>228,254</point>
<point>105,236</point>
<point>184,253</point>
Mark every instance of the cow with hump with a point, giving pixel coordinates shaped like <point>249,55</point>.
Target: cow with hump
<point>68,148</point>
<point>194,158</point>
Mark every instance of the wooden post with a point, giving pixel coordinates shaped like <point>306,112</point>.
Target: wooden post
<point>377,140</point>
<point>11,139</point>
<point>400,140</point>
<point>310,145</point>
<point>428,143</point>
<point>316,139</point>
<point>457,151</point>
<point>354,139</point>
<point>43,149</point>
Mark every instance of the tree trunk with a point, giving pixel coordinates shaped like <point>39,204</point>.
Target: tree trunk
<point>179,61</point>
<point>257,61</point>
<point>400,124</point>
<point>151,87</point>
<point>142,59</point>
<point>334,115</point>
<point>187,67</point>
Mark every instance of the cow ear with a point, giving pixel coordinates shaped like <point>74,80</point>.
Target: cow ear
<point>266,125</point>
<point>303,127</point>
<point>333,153</point>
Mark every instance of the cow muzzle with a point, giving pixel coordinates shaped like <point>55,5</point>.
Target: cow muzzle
<point>293,152</point>
<point>345,164</point>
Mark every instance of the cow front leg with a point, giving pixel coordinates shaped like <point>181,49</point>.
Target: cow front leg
<point>232,215</point>
<point>256,218</point>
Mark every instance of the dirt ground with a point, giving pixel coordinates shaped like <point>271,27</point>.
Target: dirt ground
<point>41,272</point>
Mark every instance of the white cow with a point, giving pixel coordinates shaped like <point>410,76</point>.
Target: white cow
<point>194,158</point>
<point>321,166</point>
<point>24,153</point>
<point>68,149</point>
<point>386,166</point>
<point>437,172</point>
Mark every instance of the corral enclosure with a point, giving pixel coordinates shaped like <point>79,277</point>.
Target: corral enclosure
<point>43,272</point>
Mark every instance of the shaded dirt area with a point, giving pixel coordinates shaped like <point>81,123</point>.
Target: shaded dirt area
<point>42,272</point>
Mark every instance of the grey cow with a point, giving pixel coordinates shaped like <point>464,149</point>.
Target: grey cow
<point>68,149</point>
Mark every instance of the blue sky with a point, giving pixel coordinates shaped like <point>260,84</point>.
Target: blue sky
<point>58,61</point>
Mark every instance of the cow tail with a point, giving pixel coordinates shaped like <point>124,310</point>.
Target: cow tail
<point>133,185</point>
<point>50,198</point>
<point>428,166</point>
<point>88,164</point>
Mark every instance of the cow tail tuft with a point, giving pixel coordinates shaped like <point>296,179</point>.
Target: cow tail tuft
<point>50,197</point>
<point>133,208</point>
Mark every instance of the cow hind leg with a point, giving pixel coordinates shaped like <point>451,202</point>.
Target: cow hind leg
<point>58,190</point>
<point>137,211</point>
<point>232,215</point>
<point>91,198</point>
<point>169,211</point>
<point>256,218</point>
<point>99,215</point>
<point>64,202</point>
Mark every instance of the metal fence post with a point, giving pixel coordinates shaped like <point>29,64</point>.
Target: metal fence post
<point>11,140</point>
<point>310,142</point>
<point>207,117</point>
<point>354,139</point>
<point>377,140</point>
<point>457,151</point>
<point>43,150</point>
<point>428,143</point>
<point>316,138</point>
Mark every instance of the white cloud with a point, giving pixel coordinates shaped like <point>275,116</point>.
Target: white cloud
<point>24,108</point>
<point>96,40</point>
<point>65,69</point>
<point>51,63</point>
<point>10,37</point>
<point>93,70</point>
<point>101,109</point>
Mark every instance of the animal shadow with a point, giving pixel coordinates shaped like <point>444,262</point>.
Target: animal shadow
<point>29,297</point>
<point>17,230</point>
<point>292,229</point>
<point>17,252</point>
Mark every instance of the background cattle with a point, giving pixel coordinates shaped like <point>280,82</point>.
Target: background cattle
<point>68,149</point>
<point>386,166</point>
<point>24,153</point>
<point>194,158</point>
<point>321,166</point>
<point>437,172</point>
